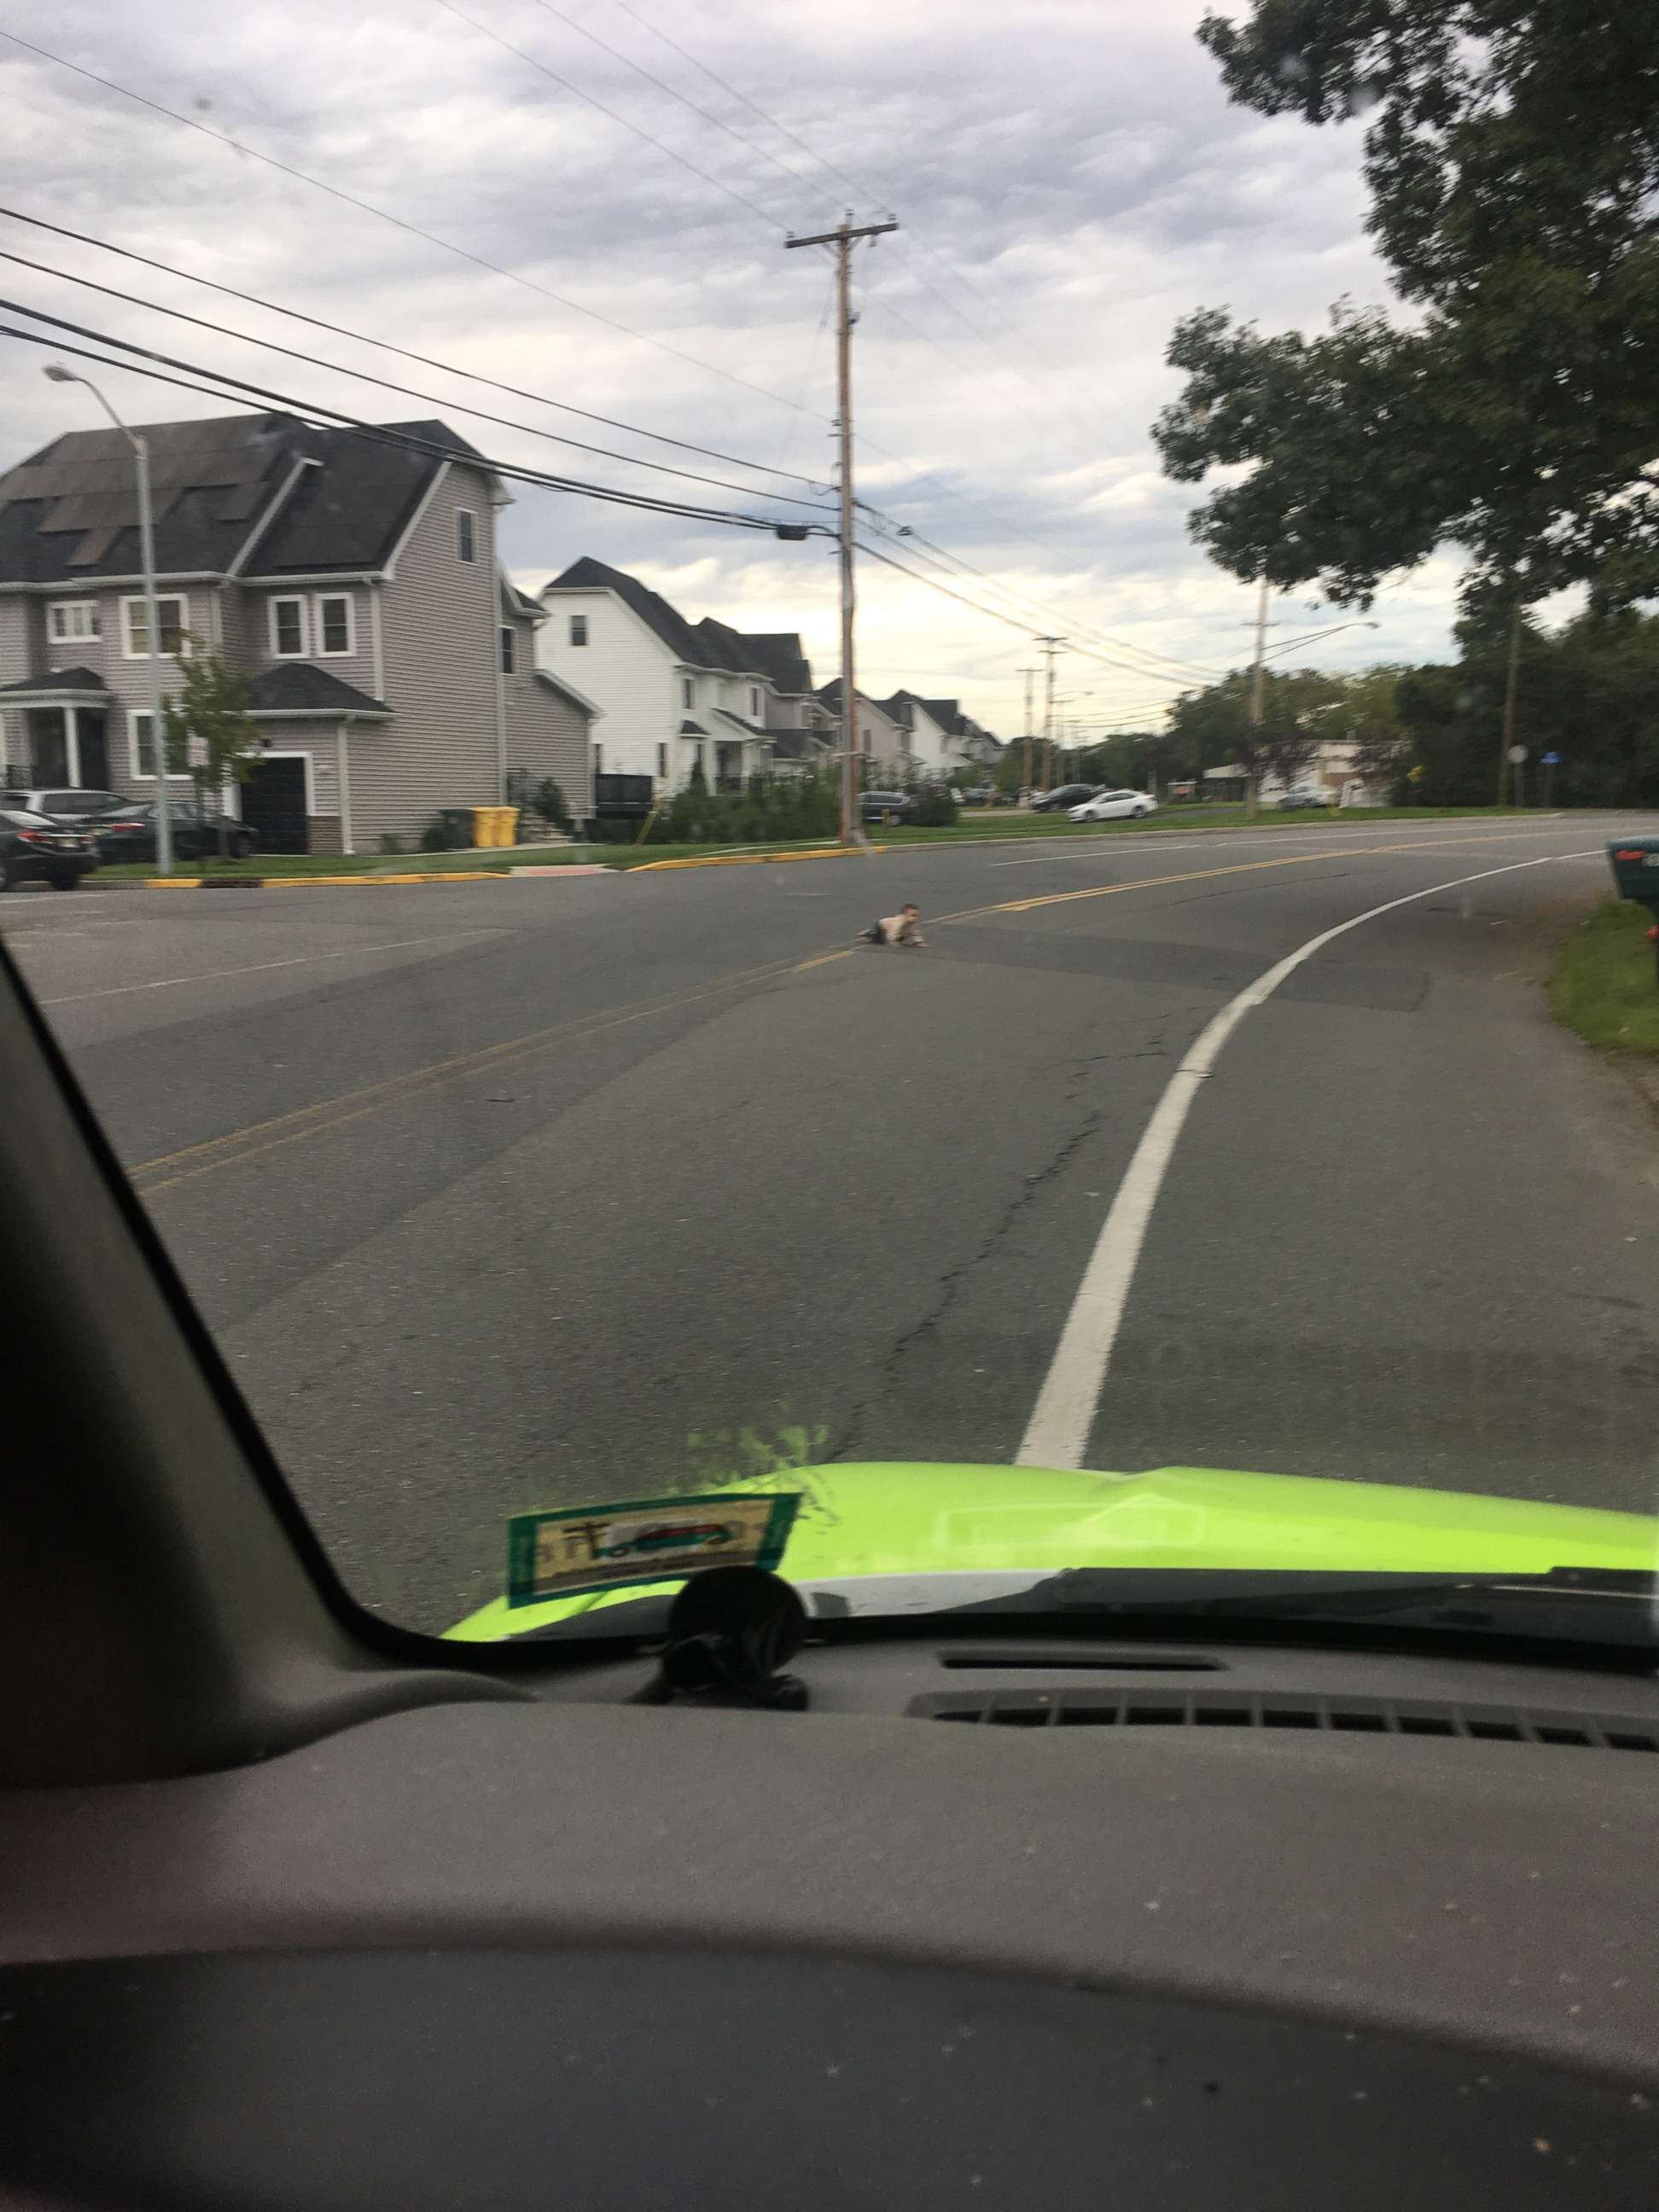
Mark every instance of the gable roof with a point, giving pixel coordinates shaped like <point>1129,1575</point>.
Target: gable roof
<point>778,657</point>
<point>81,680</point>
<point>295,687</point>
<point>654,612</point>
<point>775,655</point>
<point>69,513</point>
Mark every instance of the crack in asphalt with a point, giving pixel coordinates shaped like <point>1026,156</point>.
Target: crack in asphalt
<point>845,1446</point>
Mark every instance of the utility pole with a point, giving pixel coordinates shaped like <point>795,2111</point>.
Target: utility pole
<point>1050,647</point>
<point>1511,683</point>
<point>1029,674</point>
<point>843,240</point>
<point>1258,694</point>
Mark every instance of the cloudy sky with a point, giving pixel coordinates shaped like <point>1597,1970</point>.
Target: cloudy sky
<point>1069,181</point>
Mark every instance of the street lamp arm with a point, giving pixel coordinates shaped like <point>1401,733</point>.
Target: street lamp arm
<point>58,374</point>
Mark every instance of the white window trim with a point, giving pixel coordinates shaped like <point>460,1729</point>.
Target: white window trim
<point>688,692</point>
<point>293,752</point>
<point>179,599</point>
<point>74,636</point>
<point>472,514</point>
<point>578,644</point>
<point>506,649</point>
<point>286,599</point>
<point>753,701</point>
<point>662,764</point>
<point>319,635</point>
<point>135,715</point>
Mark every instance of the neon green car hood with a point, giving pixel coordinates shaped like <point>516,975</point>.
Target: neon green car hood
<point>898,1518</point>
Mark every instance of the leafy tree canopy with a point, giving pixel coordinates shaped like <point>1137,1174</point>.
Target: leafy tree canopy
<point>1512,157</point>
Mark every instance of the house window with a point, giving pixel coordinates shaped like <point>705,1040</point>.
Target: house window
<point>336,624</point>
<point>662,764</point>
<point>598,760</point>
<point>688,691</point>
<point>506,649</point>
<point>287,629</point>
<point>141,740</point>
<point>136,627</point>
<point>754,703</point>
<point>71,621</point>
<point>466,534</point>
<point>579,629</point>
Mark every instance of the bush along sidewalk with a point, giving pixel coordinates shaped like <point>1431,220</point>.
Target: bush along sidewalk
<point>1604,985</point>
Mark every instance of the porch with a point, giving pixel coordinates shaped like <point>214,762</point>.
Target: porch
<point>55,730</point>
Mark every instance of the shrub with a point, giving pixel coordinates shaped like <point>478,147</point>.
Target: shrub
<point>935,810</point>
<point>389,844</point>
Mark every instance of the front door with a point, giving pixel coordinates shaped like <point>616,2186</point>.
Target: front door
<point>274,803</point>
<point>48,744</point>
<point>91,729</point>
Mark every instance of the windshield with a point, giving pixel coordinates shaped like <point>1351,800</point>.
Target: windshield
<point>618,580</point>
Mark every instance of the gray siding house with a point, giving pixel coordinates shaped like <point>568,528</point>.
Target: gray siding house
<point>352,577</point>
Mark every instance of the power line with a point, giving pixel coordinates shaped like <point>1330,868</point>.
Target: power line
<point>323,416</point>
<point>952,271</point>
<point>1183,670</point>
<point>404,353</point>
<point>449,368</point>
<point>977,606</point>
<point>707,114</point>
<point>408,391</point>
<point>414,230</point>
<point>564,83</point>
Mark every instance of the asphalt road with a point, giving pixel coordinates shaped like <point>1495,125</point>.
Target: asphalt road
<point>551,1191</point>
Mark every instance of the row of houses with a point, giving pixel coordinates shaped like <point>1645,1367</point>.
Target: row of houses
<point>682,699</point>
<point>394,667</point>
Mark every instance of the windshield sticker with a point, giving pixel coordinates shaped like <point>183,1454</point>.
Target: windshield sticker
<point>654,1539</point>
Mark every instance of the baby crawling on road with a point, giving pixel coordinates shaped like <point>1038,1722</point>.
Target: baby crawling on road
<point>896,929</point>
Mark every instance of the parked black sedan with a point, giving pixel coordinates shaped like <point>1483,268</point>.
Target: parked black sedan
<point>129,834</point>
<point>34,850</point>
<point>1068,794</point>
<point>886,806</point>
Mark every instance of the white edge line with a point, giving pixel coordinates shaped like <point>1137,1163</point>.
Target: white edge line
<point>1057,1435</point>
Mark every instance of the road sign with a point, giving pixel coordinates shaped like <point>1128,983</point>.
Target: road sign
<point>1551,760</point>
<point>1517,754</point>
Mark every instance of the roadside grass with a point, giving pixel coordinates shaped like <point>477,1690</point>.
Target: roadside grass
<point>1603,986</point>
<point>990,827</point>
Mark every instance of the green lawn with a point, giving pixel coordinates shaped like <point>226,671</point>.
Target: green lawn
<point>1604,984</point>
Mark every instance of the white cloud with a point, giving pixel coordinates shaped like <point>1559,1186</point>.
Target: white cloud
<point>1069,176</point>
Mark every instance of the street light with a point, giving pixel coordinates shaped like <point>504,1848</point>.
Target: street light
<point>57,373</point>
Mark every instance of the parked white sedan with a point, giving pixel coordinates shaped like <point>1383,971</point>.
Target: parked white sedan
<point>1113,806</point>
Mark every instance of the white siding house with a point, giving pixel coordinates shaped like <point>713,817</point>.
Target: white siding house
<point>676,696</point>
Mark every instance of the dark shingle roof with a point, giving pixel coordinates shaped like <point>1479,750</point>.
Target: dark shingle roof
<point>706,644</point>
<point>692,730</point>
<point>796,745</point>
<point>61,680</point>
<point>778,654</point>
<point>295,687</point>
<point>655,612</point>
<point>71,512</point>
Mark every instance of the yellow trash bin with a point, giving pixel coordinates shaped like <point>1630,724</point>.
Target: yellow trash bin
<point>510,825</point>
<point>483,825</point>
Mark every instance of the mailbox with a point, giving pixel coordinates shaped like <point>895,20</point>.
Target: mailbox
<point>1635,864</point>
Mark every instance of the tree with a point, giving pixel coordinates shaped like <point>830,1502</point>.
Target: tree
<point>206,728</point>
<point>1513,164</point>
<point>1216,727</point>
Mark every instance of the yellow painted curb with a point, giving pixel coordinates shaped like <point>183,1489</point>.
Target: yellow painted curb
<point>760,859</point>
<point>311,882</point>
